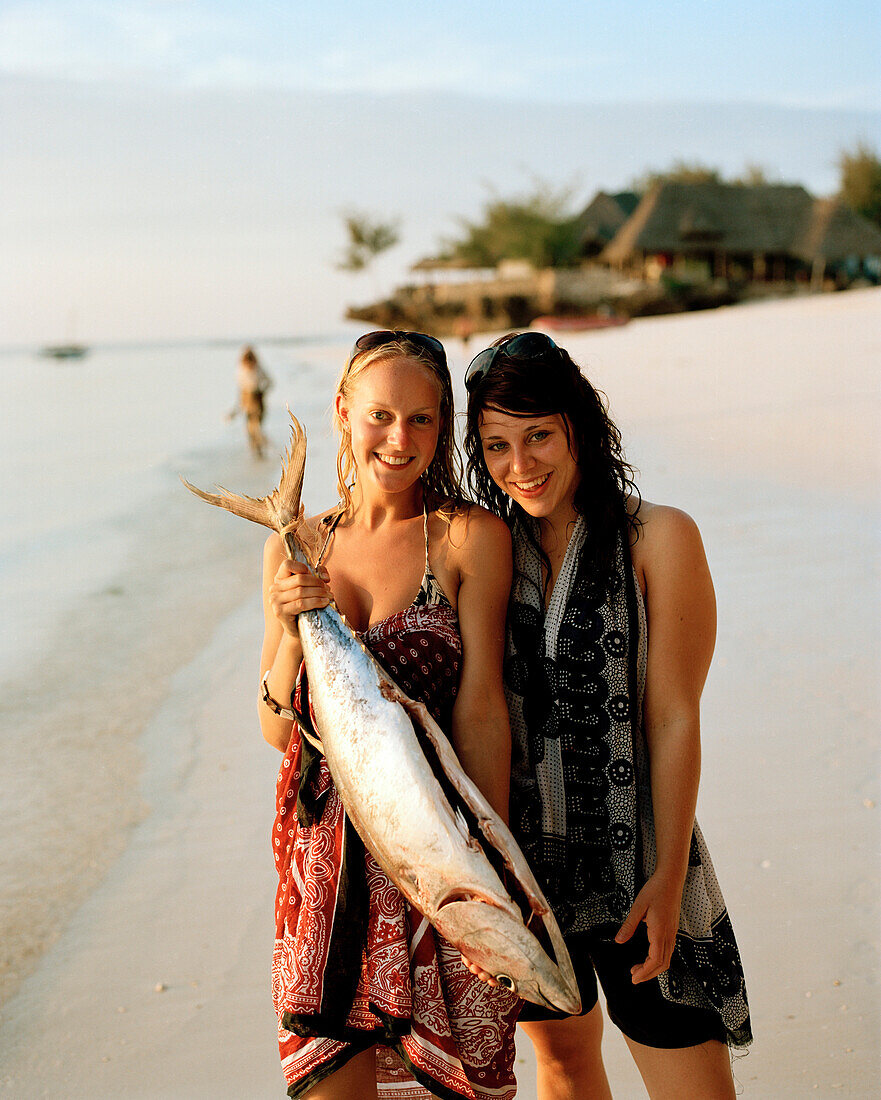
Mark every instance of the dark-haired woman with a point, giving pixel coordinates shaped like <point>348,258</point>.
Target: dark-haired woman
<point>367,996</point>
<point>611,629</point>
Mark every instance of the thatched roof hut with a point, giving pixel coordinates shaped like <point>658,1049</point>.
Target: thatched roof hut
<point>768,220</point>
<point>836,233</point>
<point>601,219</point>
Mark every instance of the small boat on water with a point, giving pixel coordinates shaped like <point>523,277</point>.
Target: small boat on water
<point>65,351</point>
<point>576,323</point>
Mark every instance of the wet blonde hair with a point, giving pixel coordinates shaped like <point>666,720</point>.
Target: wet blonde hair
<point>442,481</point>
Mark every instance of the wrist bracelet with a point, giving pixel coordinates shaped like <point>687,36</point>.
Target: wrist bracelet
<point>275,707</point>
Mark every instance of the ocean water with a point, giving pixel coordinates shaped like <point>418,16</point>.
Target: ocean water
<point>84,446</point>
<point>111,577</point>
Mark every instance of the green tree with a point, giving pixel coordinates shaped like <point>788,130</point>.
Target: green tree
<point>753,175</point>
<point>680,171</point>
<point>367,239</point>
<point>860,176</point>
<point>537,227</point>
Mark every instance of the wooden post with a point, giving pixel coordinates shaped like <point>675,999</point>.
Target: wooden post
<point>818,270</point>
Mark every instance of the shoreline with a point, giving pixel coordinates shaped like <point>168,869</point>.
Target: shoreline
<point>86,717</point>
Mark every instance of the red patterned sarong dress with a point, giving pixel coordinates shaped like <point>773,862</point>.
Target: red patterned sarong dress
<point>355,965</point>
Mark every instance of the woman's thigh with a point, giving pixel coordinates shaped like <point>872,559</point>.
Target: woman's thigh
<point>569,1056</point>
<point>701,1072</point>
<point>355,1079</point>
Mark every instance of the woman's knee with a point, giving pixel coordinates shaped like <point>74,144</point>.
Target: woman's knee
<point>568,1042</point>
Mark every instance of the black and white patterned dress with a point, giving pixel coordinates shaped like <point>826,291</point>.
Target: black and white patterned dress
<point>581,805</point>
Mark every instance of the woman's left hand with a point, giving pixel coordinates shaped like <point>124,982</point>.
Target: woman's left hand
<point>658,904</point>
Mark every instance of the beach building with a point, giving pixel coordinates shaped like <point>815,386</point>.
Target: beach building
<point>602,218</point>
<point>681,246</point>
<point>510,295</point>
<point>769,233</point>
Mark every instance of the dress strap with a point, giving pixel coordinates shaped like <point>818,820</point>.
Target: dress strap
<point>430,591</point>
<point>425,532</point>
<point>330,522</point>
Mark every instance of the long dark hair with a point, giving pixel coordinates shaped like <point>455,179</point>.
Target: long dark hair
<point>544,385</point>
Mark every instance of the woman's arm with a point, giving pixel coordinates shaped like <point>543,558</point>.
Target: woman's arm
<point>681,611</point>
<point>288,589</point>
<point>481,735</point>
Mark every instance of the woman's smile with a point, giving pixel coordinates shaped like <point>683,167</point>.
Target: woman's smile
<point>532,486</point>
<point>393,460</point>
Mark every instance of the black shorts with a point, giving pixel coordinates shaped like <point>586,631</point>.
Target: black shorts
<point>641,1011</point>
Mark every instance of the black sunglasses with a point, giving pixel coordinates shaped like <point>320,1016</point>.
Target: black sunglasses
<point>380,336</point>
<point>526,345</point>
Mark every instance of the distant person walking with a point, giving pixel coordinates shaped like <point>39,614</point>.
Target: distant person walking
<point>253,382</point>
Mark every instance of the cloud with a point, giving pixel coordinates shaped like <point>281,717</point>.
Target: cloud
<point>189,43</point>
<point>106,40</point>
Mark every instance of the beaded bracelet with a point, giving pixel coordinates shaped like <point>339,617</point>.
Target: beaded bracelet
<point>275,707</point>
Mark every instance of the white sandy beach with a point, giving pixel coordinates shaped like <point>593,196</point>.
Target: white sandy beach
<point>761,421</point>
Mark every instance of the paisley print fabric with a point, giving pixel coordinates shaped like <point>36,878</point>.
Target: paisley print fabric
<point>581,804</point>
<point>354,964</point>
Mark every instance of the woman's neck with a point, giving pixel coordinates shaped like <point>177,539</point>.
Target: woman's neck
<point>555,532</point>
<point>374,509</point>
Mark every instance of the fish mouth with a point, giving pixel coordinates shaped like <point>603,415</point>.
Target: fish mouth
<point>461,893</point>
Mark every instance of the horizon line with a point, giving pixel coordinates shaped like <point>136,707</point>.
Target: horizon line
<point>177,87</point>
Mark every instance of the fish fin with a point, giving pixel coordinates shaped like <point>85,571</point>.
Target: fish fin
<point>286,497</point>
<point>280,510</point>
<point>255,509</point>
<point>462,825</point>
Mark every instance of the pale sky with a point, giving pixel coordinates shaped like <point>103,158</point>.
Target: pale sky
<point>792,52</point>
<point>179,167</point>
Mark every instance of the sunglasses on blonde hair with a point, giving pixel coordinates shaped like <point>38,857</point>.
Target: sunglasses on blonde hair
<point>371,340</point>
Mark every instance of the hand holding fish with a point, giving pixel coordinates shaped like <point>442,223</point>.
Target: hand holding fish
<point>297,589</point>
<point>484,975</point>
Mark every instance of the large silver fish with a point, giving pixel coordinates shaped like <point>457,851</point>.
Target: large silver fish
<point>426,824</point>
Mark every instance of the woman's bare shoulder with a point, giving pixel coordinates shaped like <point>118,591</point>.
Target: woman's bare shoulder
<point>663,518</point>
<point>665,532</point>
<point>473,529</point>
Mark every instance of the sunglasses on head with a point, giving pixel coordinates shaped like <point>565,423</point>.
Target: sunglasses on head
<point>526,345</point>
<point>380,336</point>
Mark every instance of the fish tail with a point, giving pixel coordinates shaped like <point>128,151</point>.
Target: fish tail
<point>258,511</point>
<point>286,497</point>
<point>293,465</point>
<point>280,510</point>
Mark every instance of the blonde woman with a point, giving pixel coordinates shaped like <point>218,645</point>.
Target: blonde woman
<point>367,995</point>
